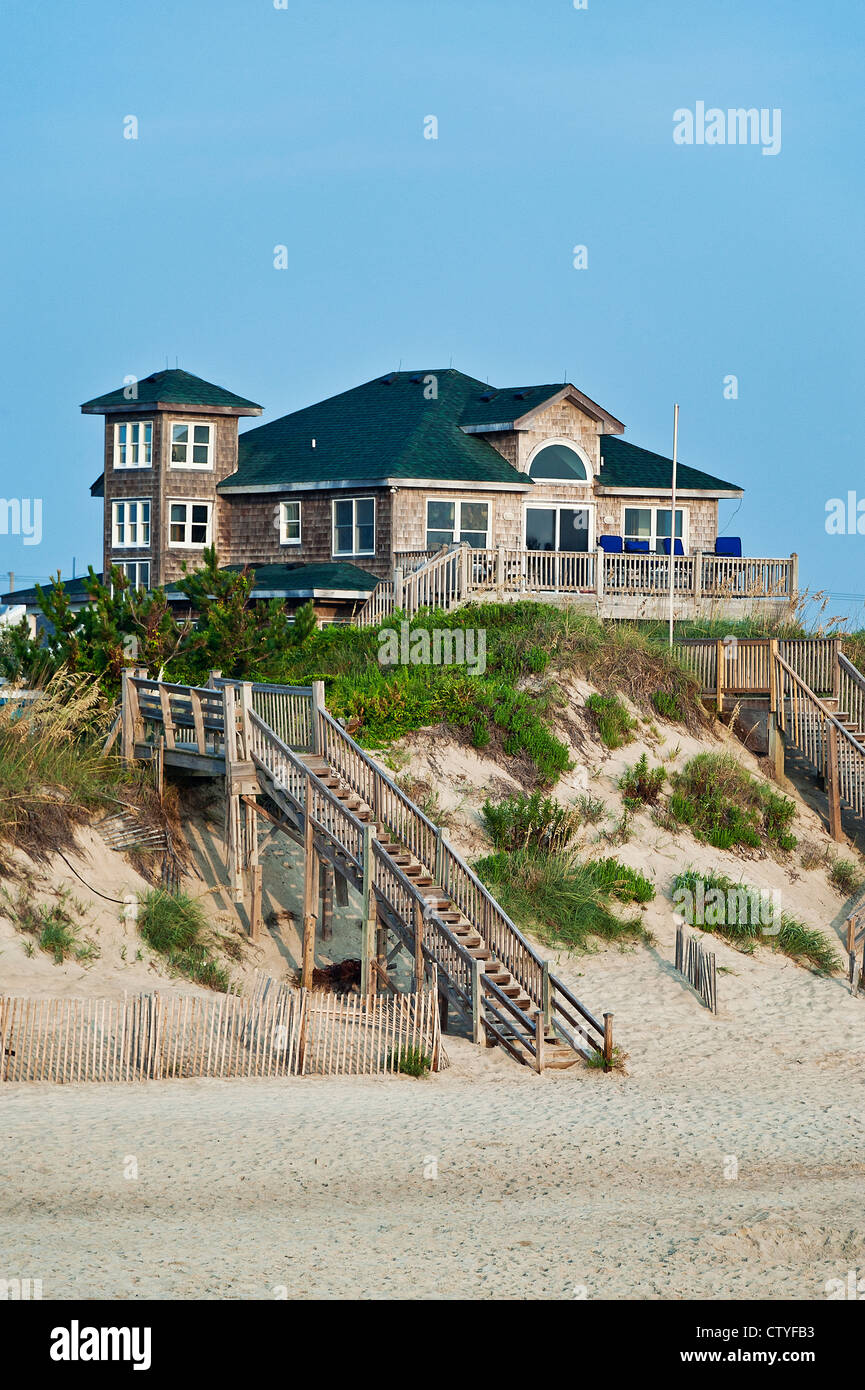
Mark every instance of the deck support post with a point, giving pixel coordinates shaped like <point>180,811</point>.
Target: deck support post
<point>477,1005</point>
<point>698,581</point>
<point>310,889</point>
<point>600,557</point>
<point>465,571</point>
<point>500,572</point>
<point>546,1000</point>
<point>127,716</point>
<point>794,578</point>
<point>418,947</point>
<point>833,789</point>
<point>720,653</point>
<point>370,914</point>
<point>398,575</point>
<point>326,877</point>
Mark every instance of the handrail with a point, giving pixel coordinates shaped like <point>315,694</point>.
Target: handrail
<point>815,699</point>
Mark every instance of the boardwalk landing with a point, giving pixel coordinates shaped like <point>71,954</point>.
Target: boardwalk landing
<point>279,742</point>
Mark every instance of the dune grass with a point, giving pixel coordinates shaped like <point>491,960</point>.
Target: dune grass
<point>561,899</point>
<point>725,806</point>
<point>735,911</point>
<point>537,821</point>
<point>174,925</point>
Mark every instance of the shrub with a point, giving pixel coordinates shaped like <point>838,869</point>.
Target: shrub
<point>621,881</point>
<point>845,876</point>
<point>53,927</point>
<point>725,806</point>
<point>735,910</point>
<point>535,820</point>
<point>590,809</point>
<point>668,704</point>
<point>412,1061</point>
<point>615,726</point>
<point>557,897</point>
<point>595,1061</point>
<point>640,785</point>
<point>173,924</point>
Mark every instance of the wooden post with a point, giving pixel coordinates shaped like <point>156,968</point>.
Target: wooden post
<point>719,676</point>
<point>370,913</point>
<point>836,672</point>
<point>213,678</point>
<point>608,1041</point>
<point>478,1035</point>
<point>443,1011</point>
<point>310,887</point>
<point>418,947</point>
<point>255,910</point>
<point>833,789</point>
<point>317,704</point>
<point>398,576</point>
<point>794,577</point>
<point>465,571</point>
<point>698,581</point>
<point>500,571</point>
<point>325,892</point>
<point>539,1041</point>
<point>127,742</point>
<point>600,558</point>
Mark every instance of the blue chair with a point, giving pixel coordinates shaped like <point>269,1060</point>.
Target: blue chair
<point>613,545</point>
<point>728,545</point>
<point>636,547</point>
<point>665,546</point>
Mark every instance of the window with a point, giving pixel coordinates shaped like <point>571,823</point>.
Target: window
<point>130,523</point>
<point>558,461</point>
<point>189,523</point>
<point>354,526</point>
<point>289,523</point>
<point>447,522</point>
<point>191,445</point>
<point>133,444</point>
<point>137,572</point>
<point>558,528</point>
<point>652,524</point>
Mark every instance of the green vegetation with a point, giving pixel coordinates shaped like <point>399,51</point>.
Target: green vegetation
<point>174,925</point>
<point>725,806</point>
<point>668,705</point>
<point>52,772</point>
<point>845,876</point>
<point>641,785</point>
<point>537,821</point>
<point>561,899</point>
<point>739,913</point>
<point>615,726</point>
<point>412,1061</point>
<point>53,925</point>
<point>595,1062</point>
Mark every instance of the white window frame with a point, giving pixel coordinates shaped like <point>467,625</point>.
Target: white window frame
<point>188,466</point>
<point>458,515</point>
<point>139,565</point>
<point>190,502</point>
<point>578,504</point>
<point>354,501</point>
<point>141,523</point>
<point>141,444</point>
<point>562,482</point>
<point>284,523</point>
<point>654,509</point>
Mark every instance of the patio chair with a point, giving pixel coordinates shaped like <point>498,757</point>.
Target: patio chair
<point>728,545</point>
<point>665,546</point>
<point>613,545</point>
<point>636,547</point>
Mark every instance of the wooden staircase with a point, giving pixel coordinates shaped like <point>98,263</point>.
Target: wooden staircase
<point>557,1053</point>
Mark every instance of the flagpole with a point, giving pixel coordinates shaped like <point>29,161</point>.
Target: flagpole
<point>673,519</point>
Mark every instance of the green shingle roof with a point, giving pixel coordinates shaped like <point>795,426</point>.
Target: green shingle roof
<point>387,428</point>
<point>174,387</point>
<point>494,405</point>
<point>74,588</point>
<point>627,465</point>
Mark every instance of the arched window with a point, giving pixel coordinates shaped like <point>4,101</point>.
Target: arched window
<point>558,462</point>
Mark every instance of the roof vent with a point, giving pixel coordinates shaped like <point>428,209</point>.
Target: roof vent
<point>489,395</point>
<point>416,380</point>
<point>522,395</point>
<point>387,380</point>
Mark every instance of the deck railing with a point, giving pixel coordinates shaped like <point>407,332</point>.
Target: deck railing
<point>745,666</point>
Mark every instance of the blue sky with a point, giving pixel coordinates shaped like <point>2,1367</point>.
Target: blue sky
<point>304,126</point>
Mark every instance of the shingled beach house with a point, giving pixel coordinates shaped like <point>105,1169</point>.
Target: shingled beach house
<point>346,502</point>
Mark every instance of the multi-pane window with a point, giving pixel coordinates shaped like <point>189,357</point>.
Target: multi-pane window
<point>191,446</point>
<point>133,444</point>
<point>130,523</point>
<point>354,526</point>
<point>137,573</point>
<point>289,523</point>
<point>189,523</point>
<point>652,524</point>
<point>447,522</point>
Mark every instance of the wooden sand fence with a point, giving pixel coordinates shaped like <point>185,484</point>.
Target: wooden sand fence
<point>698,967</point>
<point>277,1031</point>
